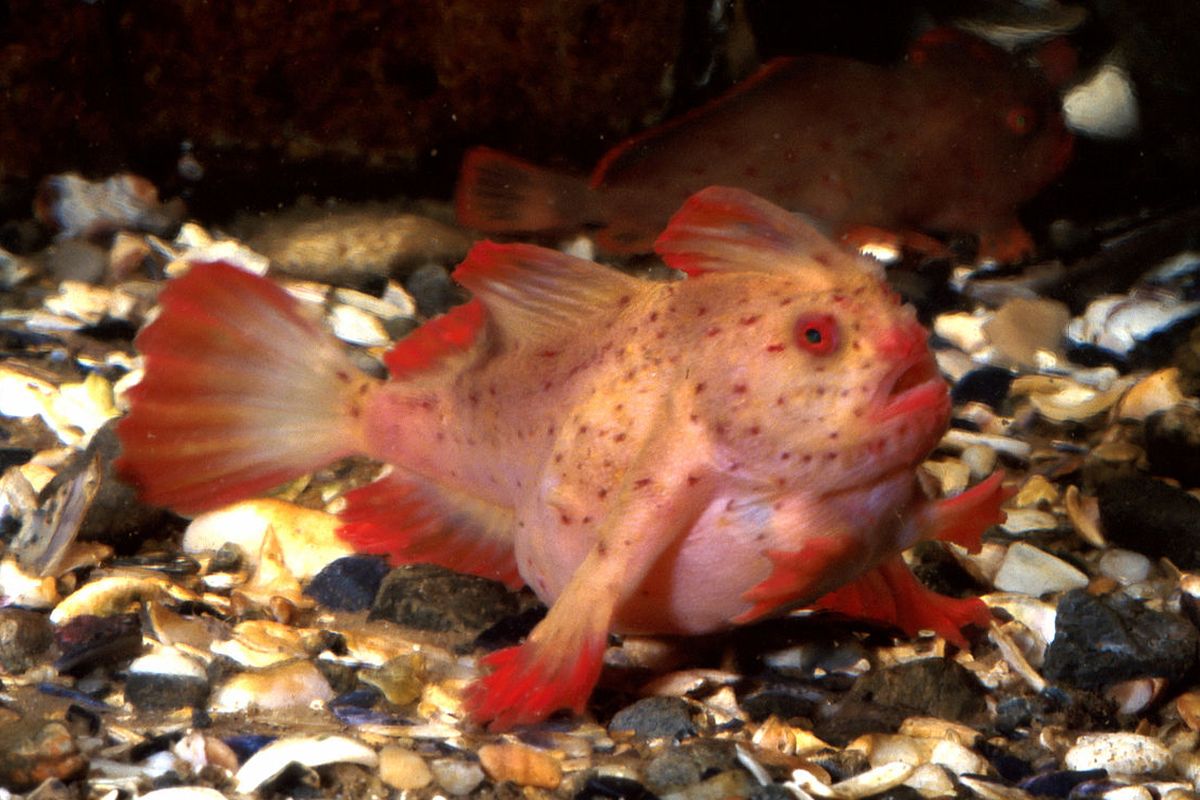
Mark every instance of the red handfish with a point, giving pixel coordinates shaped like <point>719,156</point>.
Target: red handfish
<point>650,457</point>
<point>952,140</point>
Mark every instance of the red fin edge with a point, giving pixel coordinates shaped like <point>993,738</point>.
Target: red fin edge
<point>412,523</point>
<point>500,193</point>
<point>962,519</point>
<point>242,391</point>
<point>891,594</point>
<point>439,338</point>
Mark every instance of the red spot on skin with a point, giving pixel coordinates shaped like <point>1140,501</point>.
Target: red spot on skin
<point>441,437</point>
<point>603,493</point>
<point>546,385</point>
<point>833,435</point>
<point>807,458</point>
<point>713,331</point>
<point>701,311</point>
<point>750,320</point>
<point>583,429</point>
<point>779,401</point>
<point>620,437</point>
<point>558,458</point>
<point>692,480</point>
<point>694,418</point>
<point>624,300</point>
<point>564,519</point>
<point>642,483</point>
<point>700,387</point>
<point>776,348</point>
<point>787,301</point>
<point>473,398</point>
<point>739,388</point>
<point>784,456</point>
<point>654,316</point>
<point>753,430</point>
<point>548,353</point>
<point>343,376</point>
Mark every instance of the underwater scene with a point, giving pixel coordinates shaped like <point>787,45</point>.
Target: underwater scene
<point>693,399</point>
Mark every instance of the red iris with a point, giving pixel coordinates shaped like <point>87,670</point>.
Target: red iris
<point>817,334</point>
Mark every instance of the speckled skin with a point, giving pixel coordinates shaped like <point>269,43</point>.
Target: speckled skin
<point>750,452</point>
<point>651,457</point>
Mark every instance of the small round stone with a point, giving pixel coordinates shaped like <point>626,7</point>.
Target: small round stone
<point>403,769</point>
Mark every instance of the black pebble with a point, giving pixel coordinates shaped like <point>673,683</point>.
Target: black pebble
<point>87,642</point>
<point>1153,518</point>
<point>24,637</point>
<point>1060,782</point>
<point>785,700</point>
<point>152,691</point>
<point>432,598</point>
<point>772,791</point>
<point>348,584</point>
<point>655,717</point>
<point>611,787</point>
<point>987,385</point>
<point>510,630</point>
<point>1104,640</point>
<point>1173,444</point>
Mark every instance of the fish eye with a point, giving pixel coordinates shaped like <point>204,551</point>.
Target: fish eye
<point>817,334</point>
<point>1020,120</point>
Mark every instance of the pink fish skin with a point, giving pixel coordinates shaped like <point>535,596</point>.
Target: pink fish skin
<point>952,140</point>
<point>651,457</point>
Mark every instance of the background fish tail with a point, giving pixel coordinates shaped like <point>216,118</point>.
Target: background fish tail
<point>243,390</point>
<point>498,193</point>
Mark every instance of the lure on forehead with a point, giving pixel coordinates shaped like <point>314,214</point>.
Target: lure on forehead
<point>648,457</point>
<point>952,140</point>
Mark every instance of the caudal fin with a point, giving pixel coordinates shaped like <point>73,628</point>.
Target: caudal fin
<point>243,390</point>
<point>498,193</point>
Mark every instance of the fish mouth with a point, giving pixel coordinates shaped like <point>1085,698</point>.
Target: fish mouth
<point>914,387</point>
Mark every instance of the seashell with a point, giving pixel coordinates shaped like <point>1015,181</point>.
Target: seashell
<point>401,680</point>
<point>1061,399</point>
<point>1188,706</point>
<point>964,331</point>
<point>873,781</point>
<point>272,581</point>
<point>1035,492</point>
<point>937,729</point>
<point>1118,753</point>
<point>78,208</point>
<point>1029,570</point>
<point>21,588</point>
<point>308,751</point>
<point>1104,106</point>
<point>200,248</point>
<point>519,764</point>
<point>931,781</point>
<point>992,790</point>
<point>756,770</point>
<point>1018,657</point>
<point>688,682</point>
<point>958,759</point>
<point>1028,520</point>
<point>779,737</point>
<point>1117,323</point>
<point>1134,696</point>
<point>953,476</point>
<point>355,326</point>
<point>294,684</point>
<point>261,643</point>
<point>956,440</point>
<point>980,459</point>
<point>110,595</point>
<point>307,539</point>
<point>183,793</point>
<point>882,748</point>
<point>1129,793</point>
<point>1084,513</point>
<point>1155,392</point>
<point>199,750</point>
<point>90,304</point>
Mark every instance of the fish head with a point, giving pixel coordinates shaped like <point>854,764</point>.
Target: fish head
<point>829,389</point>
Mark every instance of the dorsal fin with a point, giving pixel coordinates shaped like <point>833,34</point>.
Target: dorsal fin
<point>720,229</point>
<point>533,294</point>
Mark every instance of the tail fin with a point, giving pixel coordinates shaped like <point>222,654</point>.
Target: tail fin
<point>243,390</point>
<point>498,193</point>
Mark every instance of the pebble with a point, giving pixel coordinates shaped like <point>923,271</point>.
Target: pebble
<point>1029,570</point>
<point>1104,640</point>
<point>1152,518</point>
<point>1024,328</point>
<point>76,260</point>
<point>308,751</point>
<point>958,759</point>
<point>1027,520</point>
<point>980,459</point>
<point>655,717</point>
<point>355,326</point>
<point>872,782</point>
<point>433,598</point>
<point>349,583</point>
<point>307,538</point>
<point>432,289</point>
<point>403,769</point>
<point>1153,394</point>
<point>24,636</point>
<point>1172,440</point>
<point>295,684</point>
<point>1118,754</point>
<point>33,750</point>
<point>1124,566</point>
<point>1037,491</point>
<point>86,642</point>
<point>455,776</point>
<point>520,764</point>
<point>1118,323</point>
<point>165,680</point>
